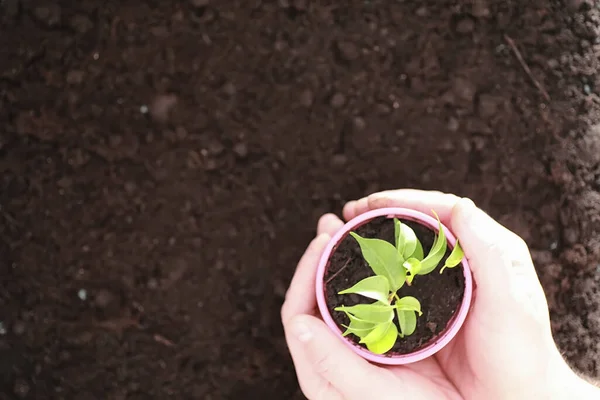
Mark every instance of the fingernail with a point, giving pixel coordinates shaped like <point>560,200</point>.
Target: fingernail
<point>468,204</point>
<point>466,210</point>
<point>301,331</point>
<point>323,237</point>
<point>462,214</point>
<point>476,222</point>
<point>378,200</point>
<point>349,206</point>
<point>376,196</point>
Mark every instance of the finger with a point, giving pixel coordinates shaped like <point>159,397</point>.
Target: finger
<point>326,366</point>
<point>354,208</point>
<point>300,297</point>
<point>509,323</point>
<point>419,200</point>
<point>312,384</point>
<point>348,211</point>
<point>427,380</point>
<point>329,224</point>
<point>502,267</point>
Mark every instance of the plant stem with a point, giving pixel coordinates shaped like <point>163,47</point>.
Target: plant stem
<point>338,272</point>
<point>392,297</point>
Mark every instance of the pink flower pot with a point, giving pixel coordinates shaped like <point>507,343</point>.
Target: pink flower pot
<point>438,342</point>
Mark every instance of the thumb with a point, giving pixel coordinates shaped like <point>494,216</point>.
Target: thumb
<point>334,370</point>
<point>507,284</point>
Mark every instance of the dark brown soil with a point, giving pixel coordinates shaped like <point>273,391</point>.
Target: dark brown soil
<point>440,294</point>
<point>166,162</point>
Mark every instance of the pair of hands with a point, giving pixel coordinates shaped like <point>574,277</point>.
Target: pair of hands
<point>505,349</point>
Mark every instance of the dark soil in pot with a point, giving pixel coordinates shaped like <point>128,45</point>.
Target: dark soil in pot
<point>440,294</point>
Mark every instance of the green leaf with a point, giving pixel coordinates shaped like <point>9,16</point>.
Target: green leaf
<point>386,342</point>
<point>358,327</point>
<point>377,333</point>
<point>375,313</point>
<point>437,252</point>
<point>358,332</point>
<point>408,303</point>
<point>418,254</point>
<point>373,287</point>
<point>413,266</point>
<point>407,321</point>
<point>410,241</point>
<point>357,323</point>
<point>399,238</point>
<point>454,258</point>
<point>406,240</point>
<point>381,257</point>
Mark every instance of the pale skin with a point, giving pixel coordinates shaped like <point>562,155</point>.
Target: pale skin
<point>505,349</point>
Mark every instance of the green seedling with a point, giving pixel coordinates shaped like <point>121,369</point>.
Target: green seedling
<point>393,266</point>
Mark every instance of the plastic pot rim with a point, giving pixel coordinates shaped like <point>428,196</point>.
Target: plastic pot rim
<point>438,342</point>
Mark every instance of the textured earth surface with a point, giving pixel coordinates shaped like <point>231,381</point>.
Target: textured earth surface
<point>163,165</point>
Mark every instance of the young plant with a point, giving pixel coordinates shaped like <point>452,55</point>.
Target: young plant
<point>393,265</point>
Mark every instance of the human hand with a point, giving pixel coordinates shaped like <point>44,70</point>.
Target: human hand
<point>504,350</point>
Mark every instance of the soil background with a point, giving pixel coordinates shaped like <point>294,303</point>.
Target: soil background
<point>163,165</point>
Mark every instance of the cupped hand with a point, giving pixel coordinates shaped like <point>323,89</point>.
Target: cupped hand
<point>505,349</point>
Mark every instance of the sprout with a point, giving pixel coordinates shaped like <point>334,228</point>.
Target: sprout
<point>393,265</point>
